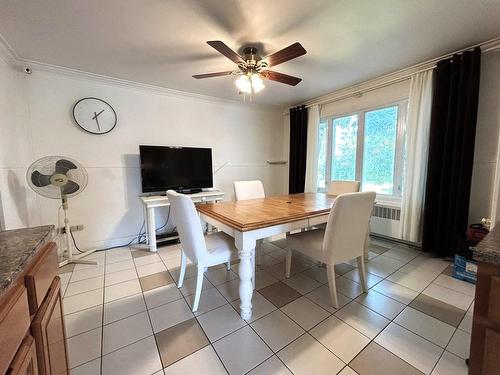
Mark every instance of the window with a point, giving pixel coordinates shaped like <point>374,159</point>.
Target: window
<point>367,146</point>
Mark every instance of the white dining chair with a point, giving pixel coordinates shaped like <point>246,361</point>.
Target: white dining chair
<point>342,240</point>
<point>250,190</point>
<point>204,252</point>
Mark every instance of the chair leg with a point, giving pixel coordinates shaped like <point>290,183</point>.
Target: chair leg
<point>253,268</point>
<point>362,272</point>
<point>199,284</point>
<point>183,270</point>
<point>288,262</point>
<point>366,247</point>
<point>331,285</point>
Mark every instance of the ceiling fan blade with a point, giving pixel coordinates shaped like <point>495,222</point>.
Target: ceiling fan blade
<point>69,188</point>
<point>291,52</point>
<point>63,166</point>
<point>226,51</point>
<point>39,179</point>
<point>280,77</point>
<point>209,75</point>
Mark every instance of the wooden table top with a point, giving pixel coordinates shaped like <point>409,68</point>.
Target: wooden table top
<point>260,213</point>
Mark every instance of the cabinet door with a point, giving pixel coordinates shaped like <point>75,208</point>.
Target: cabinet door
<point>48,330</point>
<point>24,362</point>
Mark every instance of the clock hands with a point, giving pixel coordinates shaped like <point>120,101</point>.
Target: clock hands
<point>96,119</point>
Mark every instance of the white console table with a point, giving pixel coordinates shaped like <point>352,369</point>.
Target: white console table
<point>153,201</point>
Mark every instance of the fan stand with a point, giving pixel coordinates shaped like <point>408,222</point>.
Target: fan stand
<point>71,258</point>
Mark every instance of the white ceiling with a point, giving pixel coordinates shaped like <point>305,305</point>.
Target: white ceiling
<point>162,42</point>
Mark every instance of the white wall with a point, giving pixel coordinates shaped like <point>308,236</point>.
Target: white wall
<point>244,135</point>
<point>484,199</point>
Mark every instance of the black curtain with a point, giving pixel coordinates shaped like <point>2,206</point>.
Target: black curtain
<point>451,154</point>
<point>298,150</point>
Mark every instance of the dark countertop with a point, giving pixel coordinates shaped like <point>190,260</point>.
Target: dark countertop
<point>488,250</point>
<point>17,248</point>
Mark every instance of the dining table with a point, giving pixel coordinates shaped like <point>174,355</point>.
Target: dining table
<point>250,220</point>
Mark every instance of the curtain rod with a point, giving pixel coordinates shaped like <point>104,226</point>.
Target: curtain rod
<point>400,76</point>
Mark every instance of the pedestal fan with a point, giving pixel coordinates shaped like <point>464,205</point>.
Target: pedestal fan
<point>58,177</point>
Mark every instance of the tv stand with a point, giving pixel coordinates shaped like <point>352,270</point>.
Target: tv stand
<point>149,203</point>
<point>189,191</point>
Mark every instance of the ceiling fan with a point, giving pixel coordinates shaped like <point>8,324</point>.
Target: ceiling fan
<point>252,67</point>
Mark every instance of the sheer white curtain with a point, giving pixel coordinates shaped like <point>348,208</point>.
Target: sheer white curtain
<point>417,145</point>
<point>311,184</point>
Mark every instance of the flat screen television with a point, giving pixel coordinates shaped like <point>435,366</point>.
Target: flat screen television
<point>185,169</point>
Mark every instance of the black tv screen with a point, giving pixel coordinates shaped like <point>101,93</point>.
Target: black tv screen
<point>176,168</point>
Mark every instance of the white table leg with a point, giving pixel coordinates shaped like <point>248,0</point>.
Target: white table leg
<point>246,248</point>
<point>151,229</point>
<point>146,223</point>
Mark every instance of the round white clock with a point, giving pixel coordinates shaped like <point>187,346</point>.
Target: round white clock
<point>94,115</point>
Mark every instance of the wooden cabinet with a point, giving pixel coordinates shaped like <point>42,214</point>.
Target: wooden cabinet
<point>32,332</point>
<point>485,339</point>
<point>25,362</point>
<point>49,332</point>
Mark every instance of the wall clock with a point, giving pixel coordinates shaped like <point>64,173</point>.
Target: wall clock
<point>94,115</point>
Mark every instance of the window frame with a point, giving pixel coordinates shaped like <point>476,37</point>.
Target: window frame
<point>398,153</point>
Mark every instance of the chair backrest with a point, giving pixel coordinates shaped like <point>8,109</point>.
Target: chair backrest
<point>347,226</point>
<point>248,190</point>
<point>188,226</point>
<point>342,187</point>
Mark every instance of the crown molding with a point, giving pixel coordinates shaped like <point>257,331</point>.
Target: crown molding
<point>8,54</point>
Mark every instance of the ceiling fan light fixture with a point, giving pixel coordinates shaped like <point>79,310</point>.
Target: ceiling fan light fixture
<point>257,83</point>
<point>250,83</point>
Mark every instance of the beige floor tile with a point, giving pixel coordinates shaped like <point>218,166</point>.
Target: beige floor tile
<point>449,296</point>
<point>139,358</point>
<point>271,366</point>
<point>343,268</point>
<point>379,269</point>
<point>302,283</point>
<point>120,276</point>
<point>457,285</point>
<point>180,341</point>
<point>126,264</point>
<point>125,289</point>
<point>347,371</point>
<point>279,294</point>
<point>278,271</point>
<point>89,368</point>
<point>189,286</point>
<point>366,321</point>
<point>381,304</point>
<point>260,306</point>
<point>321,297</point>
<point>426,326</point>
<point>371,279</point>
<point>411,282</point>
<point>84,347</point>
<point>83,321</point>
<point>263,279</point>
<point>375,360</point>
<point>65,277</point>
<point>123,308</point>
<point>84,286</point>
<point>170,314</point>
<point>348,287</point>
<point>220,322</point>
<point>343,340</point>
<point>413,349</point>
<point>318,273</point>
<point>87,274</point>
<point>149,269</point>
<point>210,299</point>
<point>162,295</point>
<point>220,276</point>
<point>242,350</point>
<point>202,362</point>
<point>126,331</point>
<point>306,356</point>
<point>155,280</point>
<point>466,323</point>
<point>402,253</point>
<point>82,301</point>
<point>388,261</point>
<point>460,344</point>
<point>230,290</point>
<point>140,253</point>
<point>440,310</point>
<point>148,259</point>
<point>450,364</point>
<point>395,291</point>
<point>277,330</point>
<point>68,268</point>
<point>305,312</point>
